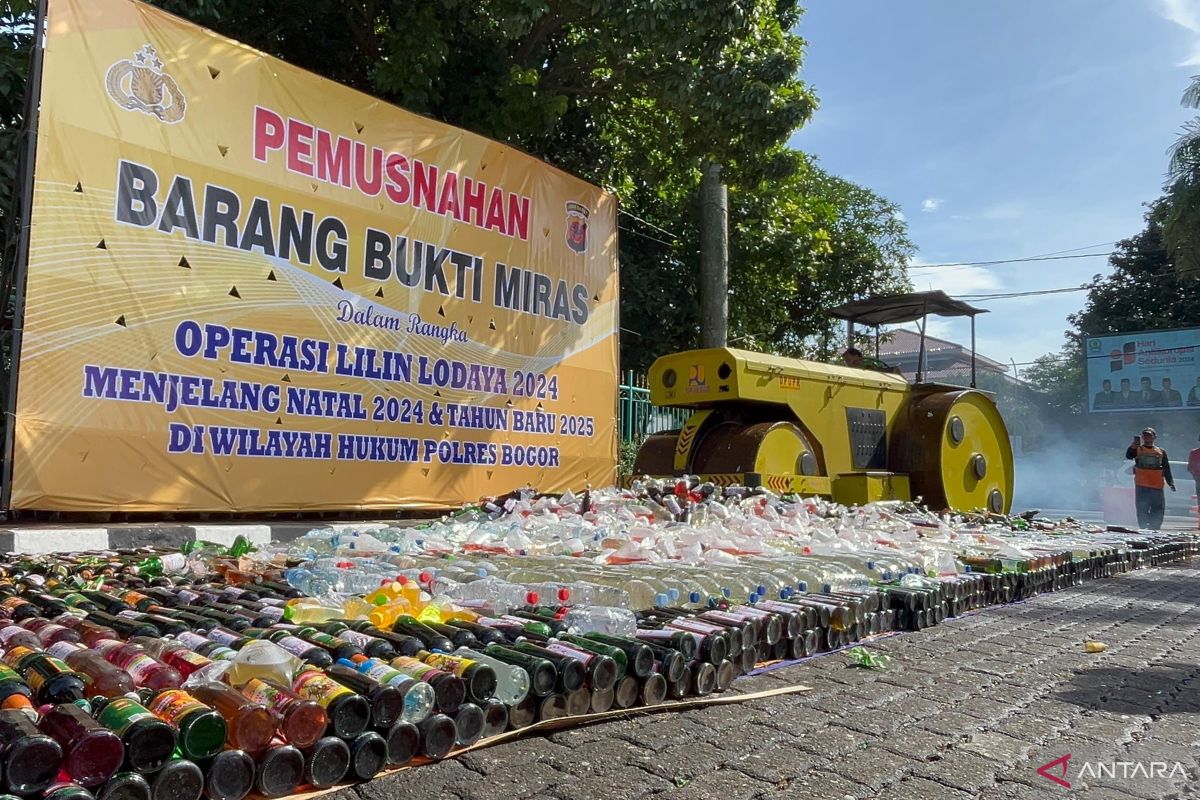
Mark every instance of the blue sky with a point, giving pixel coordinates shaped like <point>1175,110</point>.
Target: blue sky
<point>1003,128</point>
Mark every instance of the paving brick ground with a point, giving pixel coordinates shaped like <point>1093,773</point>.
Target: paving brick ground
<point>966,709</point>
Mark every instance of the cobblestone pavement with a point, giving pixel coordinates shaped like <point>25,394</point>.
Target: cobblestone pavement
<point>966,709</point>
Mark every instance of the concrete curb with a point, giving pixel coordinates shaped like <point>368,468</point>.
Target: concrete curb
<point>35,539</point>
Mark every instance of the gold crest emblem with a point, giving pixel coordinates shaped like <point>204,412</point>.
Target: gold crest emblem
<point>140,84</point>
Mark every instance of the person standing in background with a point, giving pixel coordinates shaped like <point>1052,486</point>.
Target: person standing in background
<point>1151,470</point>
<point>1194,394</point>
<point>1194,469</point>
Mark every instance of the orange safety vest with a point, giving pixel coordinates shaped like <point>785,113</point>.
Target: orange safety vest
<point>1148,467</point>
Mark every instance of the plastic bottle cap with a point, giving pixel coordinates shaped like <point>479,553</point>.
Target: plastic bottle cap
<point>968,567</point>
<point>694,597</point>
<point>425,577</point>
<point>725,590</point>
<point>785,593</point>
<point>803,587</point>
<point>345,564</point>
<point>481,572</point>
<point>760,590</point>
<point>564,594</point>
<point>753,598</point>
<point>660,599</point>
<point>401,579</point>
<point>826,589</point>
<point>887,574</point>
<point>531,598</point>
<point>871,565</point>
<point>672,594</point>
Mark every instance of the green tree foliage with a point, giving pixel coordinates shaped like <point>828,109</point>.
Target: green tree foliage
<point>1181,221</point>
<point>1144,292</point>
<point>629,94</point>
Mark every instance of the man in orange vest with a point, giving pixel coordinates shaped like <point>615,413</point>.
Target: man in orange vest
<point>1151,470</point>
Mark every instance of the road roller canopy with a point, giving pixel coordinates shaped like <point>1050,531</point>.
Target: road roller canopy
<point>898,308</point>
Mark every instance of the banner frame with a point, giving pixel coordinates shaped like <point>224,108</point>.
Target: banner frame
<point>20,266</point>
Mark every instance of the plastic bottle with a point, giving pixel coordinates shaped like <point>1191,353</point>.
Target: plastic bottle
<point>604,619</point>
<point>512,682</point>
<point>249,726</point>
<point>301,722</point>
<point>418,697</point>
<point>201,730</point>
<point>30,758</point>
<point>91,752</point>
<point>148,741</point>
<point>262,659</point>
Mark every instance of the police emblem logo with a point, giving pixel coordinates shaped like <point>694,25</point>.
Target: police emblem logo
<point>577,226</point>
<point>140,84</point>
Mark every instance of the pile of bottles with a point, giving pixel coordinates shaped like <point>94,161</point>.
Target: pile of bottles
<point>223,671</point>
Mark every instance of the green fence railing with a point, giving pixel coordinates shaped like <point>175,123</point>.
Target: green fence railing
<point>637,417</point>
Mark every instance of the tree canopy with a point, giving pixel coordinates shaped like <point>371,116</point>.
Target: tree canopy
<point>629,94</point>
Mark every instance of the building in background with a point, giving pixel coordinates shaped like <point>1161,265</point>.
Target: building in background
<point>945,362</point>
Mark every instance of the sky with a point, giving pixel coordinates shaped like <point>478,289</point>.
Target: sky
<point>1003,129</point>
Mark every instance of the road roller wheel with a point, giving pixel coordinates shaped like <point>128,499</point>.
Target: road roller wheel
<point>656,456</point>
<point>955,448</point>
<point>767,448</point>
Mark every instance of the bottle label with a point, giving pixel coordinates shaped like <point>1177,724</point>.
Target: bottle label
<point>133,598</point>
<point>106,646</point>
<point>192,659</point>
<point>187,597</point>
<point>234,591</point>
<point>383,673</point>
<point>75,599</point>
<point>569,652</point>
<point>9,674</point>
<point>141,668</point>
<point>222,637</point>
<point>14,603</point>
<point>44,669</point>
<point>191,640</point>
<point>13,656</point>
<point>411,666</point>
<point>297,647</point>
<point>58,650</point>
<point>652,635</point>
<point>358,638</point>
<point>694,626</point>
<point>222,653</point>
<point>133,615</point>
<point>278,602</point>
<point>271,612</point>
<point>458,666</point>
<point>8,632</point>
<point>323,639</point>
<point>174,704</point>
<point>121,713</point>
<point>316,686</point>
<point>267,695</point>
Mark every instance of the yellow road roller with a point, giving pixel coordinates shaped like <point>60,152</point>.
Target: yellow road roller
<point>855,435</point>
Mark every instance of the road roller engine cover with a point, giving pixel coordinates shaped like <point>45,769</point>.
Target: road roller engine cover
<point>821,429</point>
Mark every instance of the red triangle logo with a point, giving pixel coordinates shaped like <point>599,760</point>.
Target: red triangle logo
<point>1062,764</point>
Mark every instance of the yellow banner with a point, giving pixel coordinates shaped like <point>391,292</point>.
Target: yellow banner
<point>252,289</point>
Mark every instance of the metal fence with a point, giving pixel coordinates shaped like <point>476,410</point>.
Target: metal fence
<point>637,417</point>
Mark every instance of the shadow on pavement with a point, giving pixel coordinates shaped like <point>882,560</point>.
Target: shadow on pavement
<point>1166,688</point>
